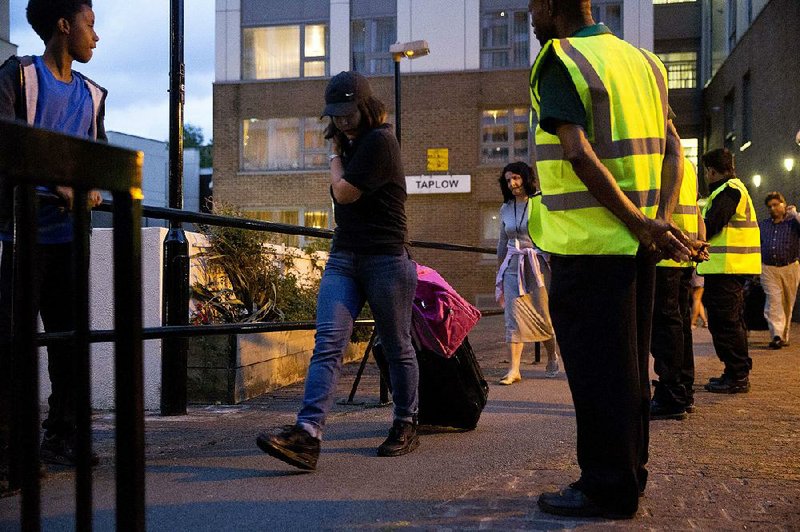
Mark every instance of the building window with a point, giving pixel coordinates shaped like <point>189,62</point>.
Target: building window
<point>730,120</point>
<point>691,150</point>
<point>370,40</point>
<point>747,109</point>
<point>505,39</point>
<point>609,13</point>
<point>283,144</point>
<point>731,24</point>
<point>681,69</point>
<point>289,216</point>
<point>505,136</point>
<point>278,52</point>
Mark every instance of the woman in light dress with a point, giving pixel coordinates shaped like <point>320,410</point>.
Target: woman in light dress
<point>523,274</point>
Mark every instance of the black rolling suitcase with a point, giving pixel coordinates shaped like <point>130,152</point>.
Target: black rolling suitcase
<point>452,391</point>
<point>754,301</point>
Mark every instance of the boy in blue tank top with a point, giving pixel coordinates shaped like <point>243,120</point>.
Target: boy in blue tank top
<point>43,91</point>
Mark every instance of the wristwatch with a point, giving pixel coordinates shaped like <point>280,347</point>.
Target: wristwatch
<point>333,156</point>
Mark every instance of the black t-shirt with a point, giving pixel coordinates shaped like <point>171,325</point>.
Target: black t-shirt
<point>375,223</point>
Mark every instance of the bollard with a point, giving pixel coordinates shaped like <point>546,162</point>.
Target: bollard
<point>175,311</point>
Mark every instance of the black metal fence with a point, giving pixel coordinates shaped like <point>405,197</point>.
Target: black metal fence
<point>30,157</point>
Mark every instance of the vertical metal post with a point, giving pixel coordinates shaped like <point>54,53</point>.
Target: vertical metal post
<point>25,361</point>
<point>397,98</point>
<point>128,362</point>
<point>82,364</point>
<point>175,306</point>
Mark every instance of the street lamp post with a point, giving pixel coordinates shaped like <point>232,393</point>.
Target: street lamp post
<point>399,50</point>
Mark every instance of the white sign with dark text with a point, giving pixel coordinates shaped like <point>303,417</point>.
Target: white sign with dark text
<point>438,184</point>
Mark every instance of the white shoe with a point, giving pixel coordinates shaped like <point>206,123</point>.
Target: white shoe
<point>552,369</point>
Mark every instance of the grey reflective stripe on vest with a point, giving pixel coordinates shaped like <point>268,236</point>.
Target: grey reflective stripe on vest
<point>601,106</point>
<point>662,86</point>
<point>612,150</point>
<point>743,223</point>
<point>741,250</point>
<point>603,144</point>
<point>583,199</point>
<point>685,209</point>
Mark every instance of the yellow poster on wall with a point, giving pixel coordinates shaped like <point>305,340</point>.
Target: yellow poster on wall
<point>438,159</point>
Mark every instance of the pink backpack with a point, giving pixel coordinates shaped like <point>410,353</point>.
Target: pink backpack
<point>441,318</point>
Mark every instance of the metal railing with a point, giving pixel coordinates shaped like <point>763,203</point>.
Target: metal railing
<point>30,157</point>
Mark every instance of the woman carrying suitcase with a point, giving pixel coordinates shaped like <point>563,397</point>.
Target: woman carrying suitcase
<point>520,283</point>
<point>368,262</point>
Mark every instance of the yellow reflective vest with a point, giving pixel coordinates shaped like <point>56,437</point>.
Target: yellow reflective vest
<point>737,248</point>
<point>624,93</point>
<point>686,212</point>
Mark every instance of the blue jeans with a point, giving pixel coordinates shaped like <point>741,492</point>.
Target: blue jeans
<point>387,283</point>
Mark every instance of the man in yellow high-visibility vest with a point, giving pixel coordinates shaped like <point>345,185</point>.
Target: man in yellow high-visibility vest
<point>735,252</point>
<point>610,165</point>
<point>671,342</point>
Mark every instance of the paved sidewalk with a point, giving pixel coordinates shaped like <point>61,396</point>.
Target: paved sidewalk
<point>733,465</point>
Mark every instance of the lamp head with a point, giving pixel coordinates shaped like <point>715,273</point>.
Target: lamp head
<point>411,50</point>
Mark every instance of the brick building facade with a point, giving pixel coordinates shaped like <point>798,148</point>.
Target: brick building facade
<point>752,103</point>
<point>469,96</point>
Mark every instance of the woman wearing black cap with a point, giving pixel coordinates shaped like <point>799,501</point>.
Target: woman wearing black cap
<point>368,262</point>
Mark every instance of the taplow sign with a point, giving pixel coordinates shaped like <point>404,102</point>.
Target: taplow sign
<point>438,184</point>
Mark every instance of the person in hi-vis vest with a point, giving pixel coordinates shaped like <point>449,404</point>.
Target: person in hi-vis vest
<point>671,340</point>
<point>734,252</point>
<point>610,164</point>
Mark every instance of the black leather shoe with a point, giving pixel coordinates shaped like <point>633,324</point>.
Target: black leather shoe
<point>717,379</point>
<point>572,502</point>
<point>690,408</point>
<point>776,343</point>
<point>659,410</point>
<point>728,385</point>
<point>402,439</point>
<point>293,445</point>
<point>59,450</point>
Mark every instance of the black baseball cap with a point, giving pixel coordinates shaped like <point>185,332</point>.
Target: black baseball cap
<point>343,92</point>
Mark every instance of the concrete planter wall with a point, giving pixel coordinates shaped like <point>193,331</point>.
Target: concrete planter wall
<point>231,369</point>
<point>256,364</point>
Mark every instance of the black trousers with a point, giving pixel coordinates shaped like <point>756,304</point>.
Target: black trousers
<point>671,343</point>
<point>602,309</point>
<point>53,297</point>
<point>724,300</point>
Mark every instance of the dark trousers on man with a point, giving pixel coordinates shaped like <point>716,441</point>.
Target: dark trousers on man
<point>671,343</point>
<point>723,298</point>
<point>53,297</point>
<point>601,309</point>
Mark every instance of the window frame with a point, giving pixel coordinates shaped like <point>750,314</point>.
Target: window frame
<point>604,5</point>
<point>507,48</point>
<point>673,67</point>
<point>305,154</point>
<point>298,241</point>
<point>303,61</point>
<point>747,108</point>
<point>514,118</point>
<point>371,28</point>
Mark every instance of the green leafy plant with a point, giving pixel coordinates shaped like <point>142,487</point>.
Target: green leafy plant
<point>246,278</point>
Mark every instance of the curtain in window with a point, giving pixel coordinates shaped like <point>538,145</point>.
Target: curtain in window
<point>283,146</point>
<point>271,53</point>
